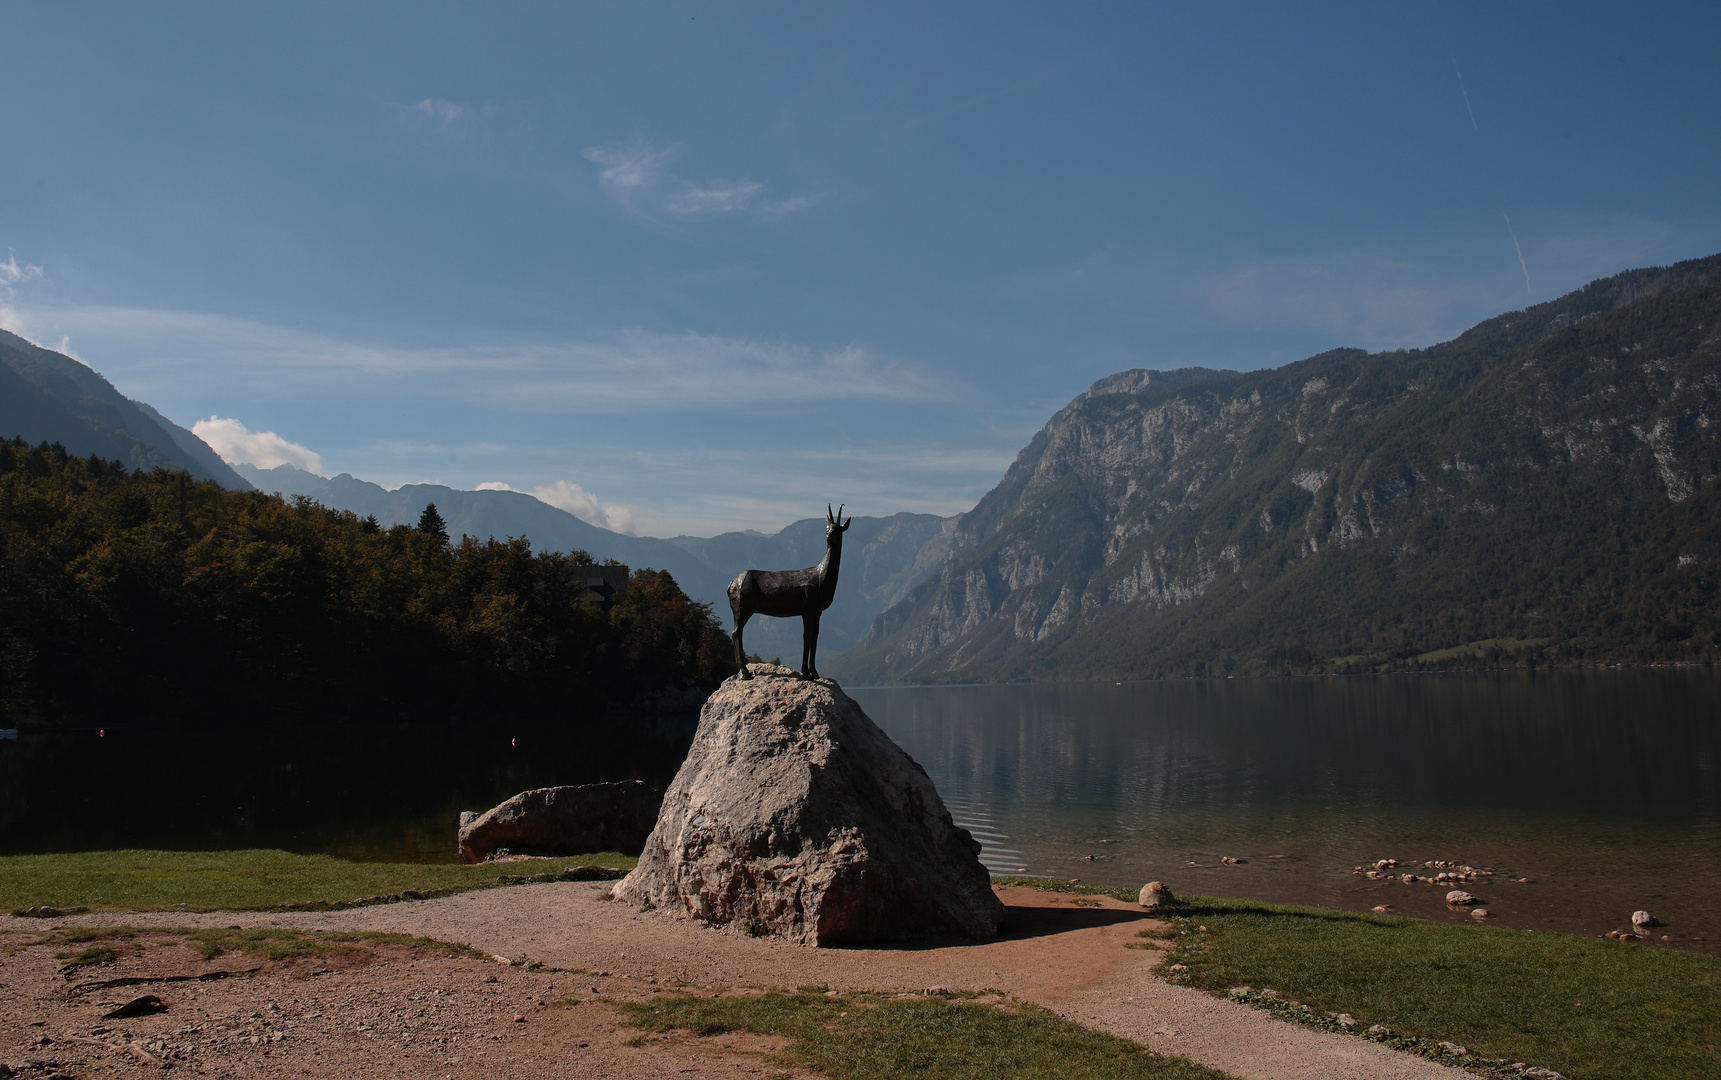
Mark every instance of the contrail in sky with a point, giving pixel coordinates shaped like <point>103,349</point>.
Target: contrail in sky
<point>1466,94</point>
<point>1521,264</point>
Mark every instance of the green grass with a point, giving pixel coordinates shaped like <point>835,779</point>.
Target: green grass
<point>878,1038</point>
<point>257,879</point>
<point>95,954</point>
<point>1586,1008</point>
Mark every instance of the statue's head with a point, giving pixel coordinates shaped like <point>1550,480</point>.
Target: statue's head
<point>835,526</point>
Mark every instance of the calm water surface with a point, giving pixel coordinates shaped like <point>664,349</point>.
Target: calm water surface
<point>1603,789</point>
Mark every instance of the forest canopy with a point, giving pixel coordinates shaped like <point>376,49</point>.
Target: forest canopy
<point>151,595</point>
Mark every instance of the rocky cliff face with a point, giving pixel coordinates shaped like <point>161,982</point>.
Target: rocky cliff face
<point>1543,486</point>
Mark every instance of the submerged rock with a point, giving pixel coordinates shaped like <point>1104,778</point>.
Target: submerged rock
<point>577,819</point>
<point>795,815</point>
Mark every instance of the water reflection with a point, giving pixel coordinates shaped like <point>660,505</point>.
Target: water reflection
<point>1601,787</point>
<point>374,792</point>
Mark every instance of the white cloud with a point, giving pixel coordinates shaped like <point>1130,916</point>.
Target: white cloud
<point>794,204</point>
<point>264,449</point>
<point>636,175</point>
<point>719,197</point>
<point>582,504</point>
<point>493,485</point>
<point>11,273</point>
<point>629,168</point>
<point>441,109</point>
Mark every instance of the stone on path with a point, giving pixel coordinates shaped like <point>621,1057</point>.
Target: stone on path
<point>794,815</point>
<point>577,819</point>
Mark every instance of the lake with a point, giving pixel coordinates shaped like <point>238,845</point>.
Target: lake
<point>1603,789</point>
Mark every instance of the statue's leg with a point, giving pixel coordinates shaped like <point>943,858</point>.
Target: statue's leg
<point>741,671</point>
<point>809,644</point>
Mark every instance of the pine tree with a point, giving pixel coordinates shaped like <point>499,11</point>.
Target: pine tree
<point>430,523</point>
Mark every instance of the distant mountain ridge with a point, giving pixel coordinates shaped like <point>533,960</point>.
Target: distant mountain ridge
<point>46,396</point>
<point>1543,488</point>
<point>49,397</point>
<point>882,557</point>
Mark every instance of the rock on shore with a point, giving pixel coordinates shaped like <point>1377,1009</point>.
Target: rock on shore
<point>576,819</point>
<point>794,815</point>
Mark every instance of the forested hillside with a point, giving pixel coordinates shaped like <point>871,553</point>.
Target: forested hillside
<point>49,397</point>
<point>151,595</point>
<point>882,556</point>
<point>1542,489</point>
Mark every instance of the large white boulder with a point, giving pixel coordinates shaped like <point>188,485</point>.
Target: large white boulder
<point>794,815</point>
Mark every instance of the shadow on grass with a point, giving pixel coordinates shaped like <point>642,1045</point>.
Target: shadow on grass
<point>1021,923</point>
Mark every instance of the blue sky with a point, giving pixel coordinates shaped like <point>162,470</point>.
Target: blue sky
<point>689,268</point>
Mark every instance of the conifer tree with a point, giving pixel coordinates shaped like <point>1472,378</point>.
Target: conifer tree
<point>430,523</point>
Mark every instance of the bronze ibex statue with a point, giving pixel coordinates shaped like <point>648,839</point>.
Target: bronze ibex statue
<point>784,594</point>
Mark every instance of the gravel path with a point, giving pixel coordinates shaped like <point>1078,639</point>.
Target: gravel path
<point>1069,954</point>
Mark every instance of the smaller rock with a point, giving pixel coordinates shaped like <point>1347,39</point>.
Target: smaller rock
<point>1643,918</point>
<point>1383,909</point>
<point>1460,897</point>
<point>1481,913</point>
<point>46,912</point>
<point>1385,864</point>
<point>1346,1020</point>
<point>1154,893</point>
<point>1621,935</point>
<point>1378,1029</point>
<point>1453,1048</point>
<point>1178,967</point>
<point>937,991</point>
<point>1233,860</point>
<point>1539,1073</point>
<point>147,1005</point>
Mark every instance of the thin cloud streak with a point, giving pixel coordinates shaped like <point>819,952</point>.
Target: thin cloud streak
<point>1385,296</point>
<point>624,372</point>
<point>1519,248</point>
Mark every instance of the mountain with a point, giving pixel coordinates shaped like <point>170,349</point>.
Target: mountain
<point>1543,488</point>
<point>48,397</point>
<point>882,557</point>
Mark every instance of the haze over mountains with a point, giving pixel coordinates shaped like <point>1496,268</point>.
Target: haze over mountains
<point>1541,488</point>
<point>46,396</point>
<point>882,557</point>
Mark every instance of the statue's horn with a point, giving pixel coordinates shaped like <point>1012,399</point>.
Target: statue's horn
<point>828,516</point>
<point>839,511</point>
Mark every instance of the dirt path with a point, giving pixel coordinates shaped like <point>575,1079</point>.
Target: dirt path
<point>423,1015</point>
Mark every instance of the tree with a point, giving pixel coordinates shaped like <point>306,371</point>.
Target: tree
<point>430,523</point>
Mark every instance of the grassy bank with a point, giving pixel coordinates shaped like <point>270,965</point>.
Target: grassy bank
<point>874,1037</point>
<point>257,879</point>
<point>1586,1008</point>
